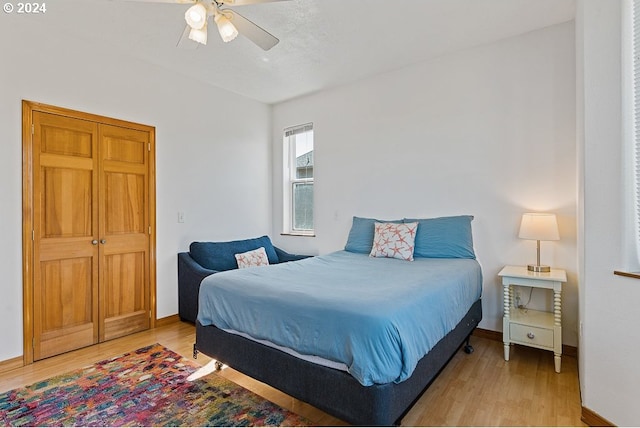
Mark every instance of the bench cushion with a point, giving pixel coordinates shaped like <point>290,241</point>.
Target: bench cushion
<point>220,256</point>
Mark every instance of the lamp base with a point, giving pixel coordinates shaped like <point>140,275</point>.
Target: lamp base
<point>539,268</point>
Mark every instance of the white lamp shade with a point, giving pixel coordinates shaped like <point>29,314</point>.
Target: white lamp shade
<point>199,35</point>
<point>539,226</point>
<point>227,30</point>
<point>196,16</point>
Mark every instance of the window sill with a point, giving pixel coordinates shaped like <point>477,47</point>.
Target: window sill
<point>627,274</point>
<point>308,235</point>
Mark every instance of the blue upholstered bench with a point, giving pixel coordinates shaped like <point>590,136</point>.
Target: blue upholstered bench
<point>206,258</point>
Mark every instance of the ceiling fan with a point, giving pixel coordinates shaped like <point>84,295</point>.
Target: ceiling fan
<point>229,22</point>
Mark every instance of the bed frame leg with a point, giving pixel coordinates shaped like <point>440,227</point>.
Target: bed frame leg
<point>468,349</point>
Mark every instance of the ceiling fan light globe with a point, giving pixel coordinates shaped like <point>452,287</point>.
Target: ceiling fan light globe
<point>199,35</point>
<point>227,30</point>
<point>196,16</point>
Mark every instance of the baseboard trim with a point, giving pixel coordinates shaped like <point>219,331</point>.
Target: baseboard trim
<point>171,319</point>
<point>488,334</point>
<point>12,363</point>
<point>569,351</point>
<point>593,419</point>
<point>17,362</point>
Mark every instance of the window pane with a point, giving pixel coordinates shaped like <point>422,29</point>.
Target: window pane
<point>304,165</point>
<point>303,206</point>
<point>304,155</point>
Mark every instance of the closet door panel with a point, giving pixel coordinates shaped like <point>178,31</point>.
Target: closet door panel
<point>64,232</point>
<point>124,203</point>
<point>66,309</point>
<point>125,227</point>
<point>125,303</point>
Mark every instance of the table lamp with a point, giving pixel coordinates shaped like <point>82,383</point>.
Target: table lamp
<point>539,227</point>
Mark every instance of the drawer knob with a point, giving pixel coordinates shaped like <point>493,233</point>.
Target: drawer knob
<point>530,335</point>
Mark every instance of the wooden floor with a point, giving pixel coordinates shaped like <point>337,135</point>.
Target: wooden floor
<point>480,389</point>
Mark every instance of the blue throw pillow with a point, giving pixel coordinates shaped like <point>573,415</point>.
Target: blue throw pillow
<point>444,237</point>
<point>360,238</point>
<point>221,256</point>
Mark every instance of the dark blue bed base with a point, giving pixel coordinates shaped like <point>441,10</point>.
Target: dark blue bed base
<point>334,391</point>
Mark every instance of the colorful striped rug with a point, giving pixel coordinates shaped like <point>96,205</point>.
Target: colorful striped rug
<point>147,387</point>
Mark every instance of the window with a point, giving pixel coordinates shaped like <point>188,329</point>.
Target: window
<point>298,191</point>
<point>631,118</point>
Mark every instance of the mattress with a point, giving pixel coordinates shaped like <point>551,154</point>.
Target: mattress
<point>376,316</point>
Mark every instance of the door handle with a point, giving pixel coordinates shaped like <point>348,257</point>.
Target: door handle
<point>94,242</point>
<point>103,241</point>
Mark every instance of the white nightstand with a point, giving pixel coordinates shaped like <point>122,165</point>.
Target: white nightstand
<point>528,327</point>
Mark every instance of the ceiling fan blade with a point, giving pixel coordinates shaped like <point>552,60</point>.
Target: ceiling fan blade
<point>184,42</point>
<point>243,2</point>
<point>163,1</point>
<point>251,31</point>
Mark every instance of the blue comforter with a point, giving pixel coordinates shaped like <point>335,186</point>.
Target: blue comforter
<point>378,316</point>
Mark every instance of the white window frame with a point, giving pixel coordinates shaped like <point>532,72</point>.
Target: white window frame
<point>631,134</point>
<point>290,180</point>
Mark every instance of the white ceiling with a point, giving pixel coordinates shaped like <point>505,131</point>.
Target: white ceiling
<point>323,43</point>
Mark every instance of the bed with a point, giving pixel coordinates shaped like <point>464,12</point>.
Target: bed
<point>359,337</point>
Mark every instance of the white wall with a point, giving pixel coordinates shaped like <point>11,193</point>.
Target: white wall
<point>212,163</point>
<point>610,343</point>
<point>489,131</point>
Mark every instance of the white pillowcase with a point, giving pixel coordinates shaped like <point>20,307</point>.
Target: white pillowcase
<point>395,240</point>
<point>257,257</point>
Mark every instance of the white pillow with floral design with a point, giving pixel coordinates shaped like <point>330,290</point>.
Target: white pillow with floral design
<point>257,257</point>
<point>395,240</point>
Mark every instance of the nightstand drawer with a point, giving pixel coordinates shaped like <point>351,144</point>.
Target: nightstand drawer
<point>533,335</point>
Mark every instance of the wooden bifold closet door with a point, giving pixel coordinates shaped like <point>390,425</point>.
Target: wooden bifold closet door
<point>88,209</point>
